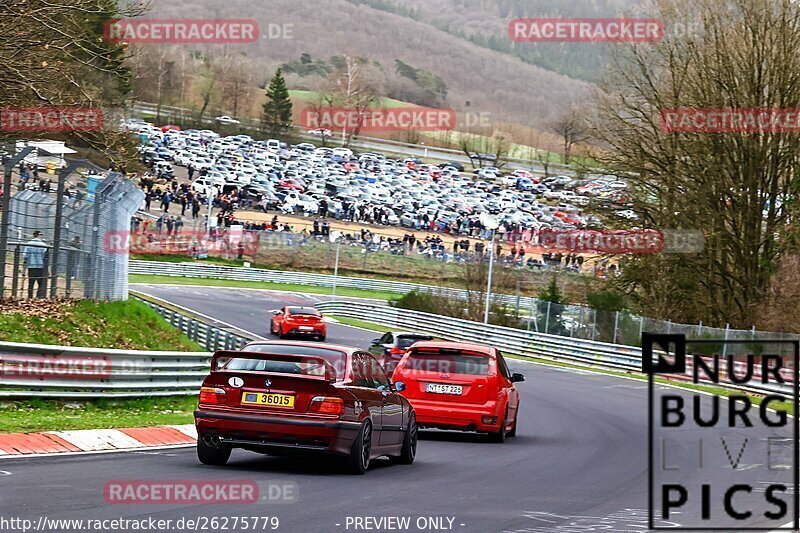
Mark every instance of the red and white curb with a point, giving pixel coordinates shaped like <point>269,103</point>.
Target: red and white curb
<point>94,440</point>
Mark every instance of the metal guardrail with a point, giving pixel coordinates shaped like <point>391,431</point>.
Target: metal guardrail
<point>203,270</point>
<point>46,371</point>
<point>577,321</point>
<point>203,332</point>
<point>514,341</point>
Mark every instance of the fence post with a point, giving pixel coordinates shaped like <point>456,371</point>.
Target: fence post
<point>594,323</point>
<point>725,344</point>
<point>547,318</point>
<point>616,325</point>
<point>700,328</point>
<point>641,327</point>
<point>516,308</point>
<point>530,316</point>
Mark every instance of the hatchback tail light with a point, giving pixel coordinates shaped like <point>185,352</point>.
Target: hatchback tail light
<point>330,405</point>
<point>394,350</point>
<point>212,395</point>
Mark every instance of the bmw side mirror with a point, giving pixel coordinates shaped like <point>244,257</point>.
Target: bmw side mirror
<point>516,377</point>
<point>375,341</point>
<point>399,386</point>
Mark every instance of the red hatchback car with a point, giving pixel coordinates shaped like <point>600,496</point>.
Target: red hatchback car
<point>296,321</point>
<point>461,386</point>
<point>301,397</point>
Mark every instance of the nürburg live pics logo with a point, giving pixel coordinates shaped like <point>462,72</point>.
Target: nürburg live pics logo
<point>723,452</point>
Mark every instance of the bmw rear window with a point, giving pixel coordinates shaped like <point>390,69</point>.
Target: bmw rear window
<point>334,357</point>
<point>448,362</point>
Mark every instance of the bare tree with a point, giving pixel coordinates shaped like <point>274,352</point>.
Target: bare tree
<point>351,88</point>
<point>52,53</point>
<point>573,129</point>
<point>737,188</point>
<point>207,84</point>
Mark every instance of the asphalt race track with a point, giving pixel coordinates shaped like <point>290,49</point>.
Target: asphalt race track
<point>581,451</point>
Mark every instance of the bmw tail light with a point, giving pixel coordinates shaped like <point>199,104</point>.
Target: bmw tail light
<point>212,395</point>
<point>329,405</point>
<point>394,350</point>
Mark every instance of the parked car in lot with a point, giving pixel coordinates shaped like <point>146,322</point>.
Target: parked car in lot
<point>297,321</point>
<point>225,119</point>
<point>461,386</point>
<point>391,347</point>
<point>303,398</point>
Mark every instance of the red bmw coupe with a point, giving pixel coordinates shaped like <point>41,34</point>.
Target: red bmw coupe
<point>300,397</point>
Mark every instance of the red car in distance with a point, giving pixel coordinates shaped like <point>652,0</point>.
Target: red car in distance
<point>301,397</point>
<point>296,321</point>
<point>460,386</point>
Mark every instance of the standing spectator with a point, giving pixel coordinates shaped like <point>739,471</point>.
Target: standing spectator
<point>33,257</point>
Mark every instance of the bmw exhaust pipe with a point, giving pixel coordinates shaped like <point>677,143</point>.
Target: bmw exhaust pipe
<point>212,440</point>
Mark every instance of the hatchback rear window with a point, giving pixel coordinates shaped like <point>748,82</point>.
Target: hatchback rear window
<point>448,363</point>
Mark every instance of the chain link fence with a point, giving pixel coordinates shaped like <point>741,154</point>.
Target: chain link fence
<point>55,249</point>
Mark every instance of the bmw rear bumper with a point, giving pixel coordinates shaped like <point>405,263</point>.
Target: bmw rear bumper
<point>271,433</point>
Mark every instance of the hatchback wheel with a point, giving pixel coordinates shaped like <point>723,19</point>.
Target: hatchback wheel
<point>513,431</point>
<point>500,436</point>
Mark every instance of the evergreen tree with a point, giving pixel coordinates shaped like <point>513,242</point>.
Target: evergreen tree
<point>277,116</point>
<point>550,308</point>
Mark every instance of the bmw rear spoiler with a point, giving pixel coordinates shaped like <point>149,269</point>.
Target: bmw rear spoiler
<point>221,357</point>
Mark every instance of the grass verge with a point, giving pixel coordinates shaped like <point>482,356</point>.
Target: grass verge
<point>211,282</point>
<point>48,415</point>
<point>124,325</point>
